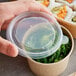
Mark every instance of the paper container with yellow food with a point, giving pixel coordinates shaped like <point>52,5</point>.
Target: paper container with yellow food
<point>64,16</point>
<point>69,23</point>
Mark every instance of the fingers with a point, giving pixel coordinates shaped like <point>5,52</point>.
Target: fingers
<point>11,9</point>
<point>1,23</point>
<point>5,24</point>
<point>8,48</point>
<point>5,14</point>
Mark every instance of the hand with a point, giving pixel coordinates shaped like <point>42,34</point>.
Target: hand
<point>8,11</point>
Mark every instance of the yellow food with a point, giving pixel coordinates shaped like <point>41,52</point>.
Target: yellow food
<point>45,2</point>
<point>60,11</point>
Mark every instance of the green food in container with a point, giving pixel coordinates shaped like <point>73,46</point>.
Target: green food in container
<point>43,37</point>
<point>61,53</point>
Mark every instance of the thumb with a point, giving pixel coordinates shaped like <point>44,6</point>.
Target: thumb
<point>8,48</point>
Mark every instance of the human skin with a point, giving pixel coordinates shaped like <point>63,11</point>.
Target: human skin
<point>9,10</point>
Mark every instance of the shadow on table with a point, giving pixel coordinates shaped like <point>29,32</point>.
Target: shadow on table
<point>14,66</point>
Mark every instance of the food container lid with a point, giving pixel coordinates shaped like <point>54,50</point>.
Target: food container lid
<point>36,34</point>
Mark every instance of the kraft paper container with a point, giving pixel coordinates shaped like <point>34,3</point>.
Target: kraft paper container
<point>51,69</point>
<point>71,27</point>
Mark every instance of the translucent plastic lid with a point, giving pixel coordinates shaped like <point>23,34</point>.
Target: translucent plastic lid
<point>36,34</point>
<point>39,37</point>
